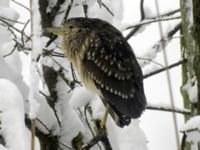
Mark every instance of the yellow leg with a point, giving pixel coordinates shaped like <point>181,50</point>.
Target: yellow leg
<point>105,116</point>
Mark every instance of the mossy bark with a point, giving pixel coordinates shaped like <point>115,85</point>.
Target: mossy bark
<point>190,48</point>
<point>187,50</point>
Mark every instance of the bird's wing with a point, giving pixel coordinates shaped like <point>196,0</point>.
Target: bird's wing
<point>111,64</point>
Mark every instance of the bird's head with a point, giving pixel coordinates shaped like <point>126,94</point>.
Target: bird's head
<point>72,25</point>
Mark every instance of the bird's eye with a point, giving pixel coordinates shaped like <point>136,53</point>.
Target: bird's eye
<point>70,27</point>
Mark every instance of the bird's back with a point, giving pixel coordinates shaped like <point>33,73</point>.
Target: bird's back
<point>108,66</point>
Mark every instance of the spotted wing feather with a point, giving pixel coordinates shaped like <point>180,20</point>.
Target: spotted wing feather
<point>112,65</point>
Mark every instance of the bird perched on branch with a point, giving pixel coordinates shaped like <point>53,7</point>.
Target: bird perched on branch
<point>106,65</point>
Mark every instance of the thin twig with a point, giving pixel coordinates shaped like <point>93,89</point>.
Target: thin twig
<point>20,4</point>
<point>164,69</point>
<point>67,12</point>
<point>88,124</point>
<point>101,136</point>
<point>157,47</point>
<point>142,17</point>
<point>70,83</point>
<point>85,9</point>
<point>150,60</point>
<point>167,14</point>
<point>135,29</point>
<point>2,20</point>
<point>43,125</point>
<point>67,146</point>
<point>22,34</point>
<point>54,110</point>
<point>6,55</point>
<point>148,21</point>
<point>142,13</point>
<point>74,75</point>
<point>15,21</point>
<point>58,64</point>
<point>107,9</point>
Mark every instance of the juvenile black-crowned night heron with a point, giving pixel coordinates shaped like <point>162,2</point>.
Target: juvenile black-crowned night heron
<point>106,65</point>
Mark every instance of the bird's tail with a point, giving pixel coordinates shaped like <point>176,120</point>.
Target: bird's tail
<point>120,119</point>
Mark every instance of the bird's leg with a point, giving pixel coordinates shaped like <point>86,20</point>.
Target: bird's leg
<point>105,116</point>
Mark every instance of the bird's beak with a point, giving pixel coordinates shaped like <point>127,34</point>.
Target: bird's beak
<point>56,31</point>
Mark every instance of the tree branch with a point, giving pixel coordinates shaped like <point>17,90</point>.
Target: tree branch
<point>164,69</point>
<point>20,4</point>
<point>101,136</point>
<point>161,108</point>
<point>148,21</point>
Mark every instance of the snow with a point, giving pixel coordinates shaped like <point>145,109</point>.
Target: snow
<point>12,59</point>
<point>9,14</point>
<point>2,147</point>
<point>71,124</point>
<point>13,75</point>
<point>12,117</point>
<point>34,82</point>
<point>191,88</point>
<point>36,51</point>
<point>192,129</point>
<point>136,139</point>
<point>148,12</point>
<point>162,105</point>
<point>81,97</point>
<point>154,124</point>
<point>189,12</point>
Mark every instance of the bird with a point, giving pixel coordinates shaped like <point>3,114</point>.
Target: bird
<point>106,64</point>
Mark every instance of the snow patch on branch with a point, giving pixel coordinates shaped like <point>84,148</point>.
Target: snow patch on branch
<point>191,88</point>
<point>189,12</point>
<point>71,124</point>
<point>166,106</point>
<point>81,97</point>
<point>192,129</point>
<point>9,14</point>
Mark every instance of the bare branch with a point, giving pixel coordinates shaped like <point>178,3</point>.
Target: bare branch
<point>164,69</point>
<point>150,60</point>
<point>148,21</point>
<point>101,136</point>
<point>167,14</point>
<point>67,11</point>
<point>20,4</point>
<point>50,99</point>
<point>85,9</point>
<point>11,26</point>
<point>162,43</point>
<point>107,9</point>
<point>15,21</point>
<point>142,16</point>
<point>22,33</point>
<point>142,13</point>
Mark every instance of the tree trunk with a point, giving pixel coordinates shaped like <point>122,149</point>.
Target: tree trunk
<point>190,48</point>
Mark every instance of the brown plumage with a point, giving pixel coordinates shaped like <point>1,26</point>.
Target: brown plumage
<point>106,65</point>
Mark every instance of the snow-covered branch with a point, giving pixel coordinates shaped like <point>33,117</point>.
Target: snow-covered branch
<point>164,107</point>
